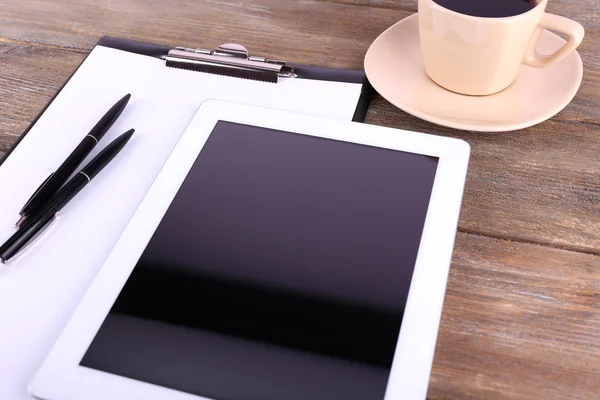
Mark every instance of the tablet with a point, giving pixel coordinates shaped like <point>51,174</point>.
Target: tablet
<point>276,256</point>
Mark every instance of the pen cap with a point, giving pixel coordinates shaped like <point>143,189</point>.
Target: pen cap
<point>107,154</point>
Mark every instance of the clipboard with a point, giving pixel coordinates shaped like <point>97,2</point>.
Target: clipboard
<point>230,60</point>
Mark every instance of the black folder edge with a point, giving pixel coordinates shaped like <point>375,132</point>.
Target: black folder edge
<point>156,50</point>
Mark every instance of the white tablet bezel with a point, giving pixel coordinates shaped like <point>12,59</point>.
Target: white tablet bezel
<point>61,377</point>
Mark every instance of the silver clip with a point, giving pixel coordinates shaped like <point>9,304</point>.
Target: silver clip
<point>231,60</point>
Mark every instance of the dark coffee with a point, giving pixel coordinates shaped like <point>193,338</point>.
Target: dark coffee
<point>489,8</point>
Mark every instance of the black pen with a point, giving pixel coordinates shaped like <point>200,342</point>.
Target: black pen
<point>56,179</point>
<point>33,227</point>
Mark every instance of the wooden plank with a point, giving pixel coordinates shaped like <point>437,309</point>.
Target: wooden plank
<point>300,24</point>
<point>520,321</point>
<point>308,31</point>
<point>540,184</point>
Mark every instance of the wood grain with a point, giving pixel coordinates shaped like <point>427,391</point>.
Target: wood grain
<point>336,32</point>
<point>520,321</point>
<point>306,30</point>
<point>29,77</point>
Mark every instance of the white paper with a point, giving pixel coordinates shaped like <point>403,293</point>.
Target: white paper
<point>42,287</point>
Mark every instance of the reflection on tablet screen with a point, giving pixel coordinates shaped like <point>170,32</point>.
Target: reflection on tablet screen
<point>280,271</point>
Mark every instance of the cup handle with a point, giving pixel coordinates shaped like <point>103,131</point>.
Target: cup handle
<point>558,24</point>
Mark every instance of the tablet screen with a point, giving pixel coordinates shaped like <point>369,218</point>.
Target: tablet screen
<point>280,270</point>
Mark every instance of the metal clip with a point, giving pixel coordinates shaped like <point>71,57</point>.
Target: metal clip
<point>231,60</point>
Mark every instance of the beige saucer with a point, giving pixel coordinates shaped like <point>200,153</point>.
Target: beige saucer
<point>394,67</point>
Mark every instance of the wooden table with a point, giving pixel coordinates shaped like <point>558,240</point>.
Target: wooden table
<point>522,311</point>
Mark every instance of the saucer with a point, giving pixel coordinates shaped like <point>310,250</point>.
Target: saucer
<point>395,68</point>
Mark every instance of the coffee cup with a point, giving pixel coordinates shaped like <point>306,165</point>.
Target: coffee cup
<point>476,47</point>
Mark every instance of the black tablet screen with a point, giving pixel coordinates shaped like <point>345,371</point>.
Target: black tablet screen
<point>280,271</point>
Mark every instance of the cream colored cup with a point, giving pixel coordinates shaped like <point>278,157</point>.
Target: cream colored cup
<point>480,56</point>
